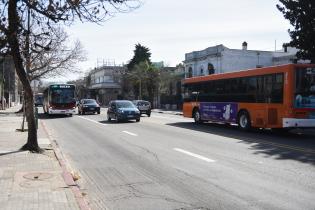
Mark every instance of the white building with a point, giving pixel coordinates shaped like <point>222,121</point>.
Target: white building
<point>105,83</point>
<point>220,59</point>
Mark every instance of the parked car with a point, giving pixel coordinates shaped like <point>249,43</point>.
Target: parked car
<point>88,105</point>
<point>122,110</point>
<point>143,106</point>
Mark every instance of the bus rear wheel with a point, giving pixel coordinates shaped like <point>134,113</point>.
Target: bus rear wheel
<point>197,116</point>
<point>244,121</point>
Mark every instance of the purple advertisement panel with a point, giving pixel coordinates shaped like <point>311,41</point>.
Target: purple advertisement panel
<point>224,112</point>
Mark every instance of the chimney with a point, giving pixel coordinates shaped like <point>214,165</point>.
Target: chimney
<point>244,46</point>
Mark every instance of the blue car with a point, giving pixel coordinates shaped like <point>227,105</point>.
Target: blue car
<point>121,110</point>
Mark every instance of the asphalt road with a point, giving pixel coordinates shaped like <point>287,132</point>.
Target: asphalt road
<point>168,162</point>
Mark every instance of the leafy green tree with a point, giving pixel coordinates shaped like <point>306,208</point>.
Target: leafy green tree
<point>301,15</point>
<point>141,53</point>
<point>152,82</point>
<point>47,15</point>
<point>137,77</point>
<point>144,77</point>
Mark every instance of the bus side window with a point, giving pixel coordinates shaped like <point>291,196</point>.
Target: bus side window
<point>260,96</point>
<point>277,88</point>
<point>268,88</point>
<point>252,89</point>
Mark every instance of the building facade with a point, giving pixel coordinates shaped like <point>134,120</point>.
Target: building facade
<point>9,83</point>
<point>220,59</point>
<point>104,83</point>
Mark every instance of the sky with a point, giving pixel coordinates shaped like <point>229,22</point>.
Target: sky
<point>171,28</point>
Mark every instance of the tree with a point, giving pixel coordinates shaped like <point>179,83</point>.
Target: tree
<point>145,77</point>
<point>57,60</point>
<point>46,15</point>
<point>141,53</point>
<point>301,15</point>
<point>152,82</point>
<point>138,76</point>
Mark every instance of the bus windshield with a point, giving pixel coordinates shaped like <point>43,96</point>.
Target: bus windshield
<point>305,88</point>
<point>62,96</point>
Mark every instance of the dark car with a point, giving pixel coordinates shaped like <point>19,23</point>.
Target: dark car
<point>88,105</point>
<point>122,110</point>
<point>143,106</point>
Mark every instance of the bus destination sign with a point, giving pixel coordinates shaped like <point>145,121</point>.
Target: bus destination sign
<point>62,86</point>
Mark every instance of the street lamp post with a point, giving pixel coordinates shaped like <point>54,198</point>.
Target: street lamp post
<point>3,80</point>
<point>139,89</point>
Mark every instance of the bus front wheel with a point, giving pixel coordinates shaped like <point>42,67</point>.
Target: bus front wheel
<point>197,116</point>
<point>244,121</point>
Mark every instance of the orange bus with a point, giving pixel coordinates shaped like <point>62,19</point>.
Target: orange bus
<point>271,97</point>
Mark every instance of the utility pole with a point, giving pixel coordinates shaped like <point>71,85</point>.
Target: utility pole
<point>28,62</point>
<point>3,80</point>
<point>140,97</point>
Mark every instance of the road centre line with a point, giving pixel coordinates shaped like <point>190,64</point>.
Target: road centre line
<point>194,155</point>
<point>132,134</point>
<point>91,120</point>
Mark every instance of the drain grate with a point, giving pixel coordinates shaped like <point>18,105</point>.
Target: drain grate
<point>38,176</point>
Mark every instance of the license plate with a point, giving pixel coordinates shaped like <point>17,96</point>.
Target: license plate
<point>312,115</point>
<point>91,108</point>
<point>130,116</point>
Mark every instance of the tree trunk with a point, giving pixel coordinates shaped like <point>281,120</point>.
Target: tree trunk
<point>31,144</point>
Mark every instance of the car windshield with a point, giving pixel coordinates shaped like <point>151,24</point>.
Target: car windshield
<point>143,103</point>
<point>125,104</point>
<point>89,101</point>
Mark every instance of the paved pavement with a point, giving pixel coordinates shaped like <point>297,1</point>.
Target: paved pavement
<point>168,162</point>
<point>29,180</point>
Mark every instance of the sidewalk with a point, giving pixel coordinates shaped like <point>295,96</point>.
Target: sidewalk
<point>30,180</point>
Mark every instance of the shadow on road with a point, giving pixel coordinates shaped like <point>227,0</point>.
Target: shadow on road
<point>43,116</point>
<point>282,146</point>
<point>115,122</point>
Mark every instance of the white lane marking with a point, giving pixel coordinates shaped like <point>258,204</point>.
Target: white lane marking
<point>91,120</point>
<point>194,155</point>
<point>132,134</point>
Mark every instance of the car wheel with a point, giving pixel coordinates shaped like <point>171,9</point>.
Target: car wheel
<point>108,118</point>
<point>99,112</point>
<point>244,121</point>
<point>117,119</point>
<point>79,112</point>
<point>138,120</point>
<point>149,114</point>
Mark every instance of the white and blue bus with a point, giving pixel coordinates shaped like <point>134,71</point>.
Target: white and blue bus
<point>60,99</point>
